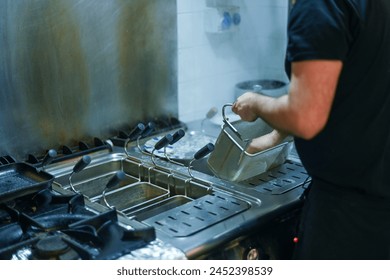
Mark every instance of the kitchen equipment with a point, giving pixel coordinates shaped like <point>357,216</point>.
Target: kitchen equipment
<point>49,157</point>
<point>196,215</point>
<point>63,228</point>
<point>19,179</point>
<point>175,137</point>
<point>80,165</point>
<point>183,151</point>
<point>113,182</point>
<point>140,131</point>
<point>204,151</point>
<point>273,88</point>
<point>134,196</point>
<point>214,215</point>
<point>230,160</point>
<point>92,184</point>
<point>162,143</point>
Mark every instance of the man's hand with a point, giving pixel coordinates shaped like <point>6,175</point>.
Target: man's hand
<point>243,106</point>
<point>265,142</point>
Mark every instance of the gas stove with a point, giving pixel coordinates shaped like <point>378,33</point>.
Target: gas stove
<point>46,225</point>
<point>39,219</point>
<point>157,208</point>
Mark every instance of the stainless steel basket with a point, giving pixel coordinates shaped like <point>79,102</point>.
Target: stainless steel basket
<point>230,161</point>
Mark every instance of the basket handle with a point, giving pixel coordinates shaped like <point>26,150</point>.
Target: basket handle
<point>227,122</point>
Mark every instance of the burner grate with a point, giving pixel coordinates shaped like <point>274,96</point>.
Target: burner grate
<point>46,225</point>
<point>4,160</point>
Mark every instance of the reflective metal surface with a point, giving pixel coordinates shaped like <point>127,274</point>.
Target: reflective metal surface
<point>73,69</point>
<point>202,216</point>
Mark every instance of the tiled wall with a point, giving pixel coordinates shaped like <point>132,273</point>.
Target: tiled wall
<point>210,64</point>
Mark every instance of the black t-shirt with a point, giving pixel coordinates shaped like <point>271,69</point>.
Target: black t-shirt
<point>353,150</point>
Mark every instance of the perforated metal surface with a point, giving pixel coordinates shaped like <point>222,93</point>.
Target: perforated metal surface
<point>282,179</point>
<point>196,215</point>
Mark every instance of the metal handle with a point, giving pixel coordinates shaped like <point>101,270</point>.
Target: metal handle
<point>235,131</point>
<point>163,142</point>
<point>139,132</point>
<point>136,131</point>
<point>204,151</point>
<point>49,157</point>
<point>80,165</point>
<point>148,130</point>
<point>175,137</point>
<point>226,120</point>
<point>115,180</point>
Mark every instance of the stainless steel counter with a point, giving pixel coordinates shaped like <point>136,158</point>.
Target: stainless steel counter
<point>201,216</point>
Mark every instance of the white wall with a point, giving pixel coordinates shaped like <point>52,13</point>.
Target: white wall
<point>209,65</point>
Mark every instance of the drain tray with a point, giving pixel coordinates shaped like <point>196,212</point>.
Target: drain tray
<point>197,215</point>
<point>279,180</point>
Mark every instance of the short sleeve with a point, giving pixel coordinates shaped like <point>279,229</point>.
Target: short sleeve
<point>319,30</point>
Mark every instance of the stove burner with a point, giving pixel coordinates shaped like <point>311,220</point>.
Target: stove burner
<point>47,225</point>
<point>51,247</point>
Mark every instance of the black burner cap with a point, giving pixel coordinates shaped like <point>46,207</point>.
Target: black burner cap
<point>51,247</point>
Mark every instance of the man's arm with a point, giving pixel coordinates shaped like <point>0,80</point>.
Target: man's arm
<point>304,112</point>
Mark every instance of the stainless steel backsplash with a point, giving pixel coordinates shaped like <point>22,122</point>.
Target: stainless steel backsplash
<point>74,69</point>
